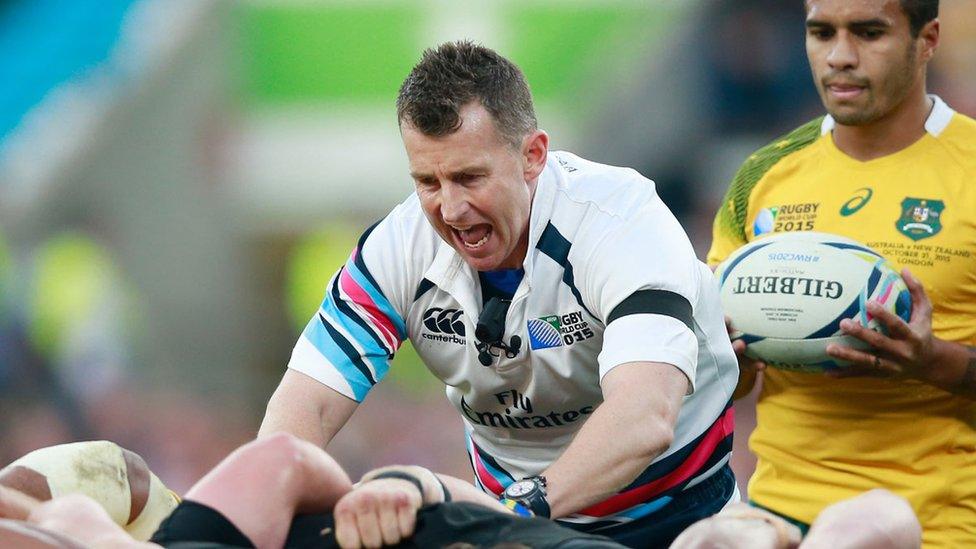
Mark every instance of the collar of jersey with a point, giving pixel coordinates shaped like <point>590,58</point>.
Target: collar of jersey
<point>935,124</point>
<point>448,268</point>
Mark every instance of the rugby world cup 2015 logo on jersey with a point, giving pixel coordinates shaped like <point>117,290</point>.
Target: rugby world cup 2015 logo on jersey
<point>444,325</point>
<point>786,218</point>
<point>558,330</point>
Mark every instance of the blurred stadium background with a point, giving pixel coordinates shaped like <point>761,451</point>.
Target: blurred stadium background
<point>179,179</point>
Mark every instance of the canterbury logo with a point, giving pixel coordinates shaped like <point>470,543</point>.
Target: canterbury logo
<point>444,321</point>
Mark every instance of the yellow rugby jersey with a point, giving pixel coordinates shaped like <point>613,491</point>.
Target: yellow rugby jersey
<point>819,439</point>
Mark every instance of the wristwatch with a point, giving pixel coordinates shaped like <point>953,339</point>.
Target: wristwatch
<point>530,492</point>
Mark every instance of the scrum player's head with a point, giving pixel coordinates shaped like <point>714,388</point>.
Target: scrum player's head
<point>475,150</point>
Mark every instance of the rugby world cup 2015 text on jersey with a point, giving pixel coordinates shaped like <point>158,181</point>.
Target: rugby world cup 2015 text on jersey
<point>558,330</point>
<point>785,218</point>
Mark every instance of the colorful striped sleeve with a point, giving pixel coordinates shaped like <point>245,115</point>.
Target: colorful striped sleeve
<point>349,342</point>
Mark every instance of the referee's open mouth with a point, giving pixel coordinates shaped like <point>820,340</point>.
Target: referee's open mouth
<point>473,237</point>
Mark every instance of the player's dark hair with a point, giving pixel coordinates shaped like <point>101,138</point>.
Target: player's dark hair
<point>919,13</point>
<point>454,74</point>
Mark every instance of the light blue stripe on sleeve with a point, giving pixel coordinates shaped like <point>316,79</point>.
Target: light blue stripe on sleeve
<point>319,337</point>
<point>643,509</point>
<point>502,478</point>
<point>376,355</point>
<point>378,298</point>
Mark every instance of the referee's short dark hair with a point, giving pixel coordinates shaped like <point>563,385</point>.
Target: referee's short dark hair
<point>454,74</point>
<point>919,13</point>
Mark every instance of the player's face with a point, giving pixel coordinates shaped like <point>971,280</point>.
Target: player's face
<point>476,188</point>
<point>864,60</point>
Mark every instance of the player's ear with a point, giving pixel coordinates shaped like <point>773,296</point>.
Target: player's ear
<point>929,37</point>
<point>535,150</point>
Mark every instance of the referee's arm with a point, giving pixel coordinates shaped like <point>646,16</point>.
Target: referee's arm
<point>307,409</point>
<point>633,426</point>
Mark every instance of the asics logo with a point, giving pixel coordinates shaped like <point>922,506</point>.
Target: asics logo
<point>444,321</point>
<point>860,199</point>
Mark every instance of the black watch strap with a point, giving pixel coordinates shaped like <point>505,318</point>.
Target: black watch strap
<point>536,501</point>
<point>539,506</point>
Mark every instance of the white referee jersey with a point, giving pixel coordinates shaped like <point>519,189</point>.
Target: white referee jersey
<point>610,278</point>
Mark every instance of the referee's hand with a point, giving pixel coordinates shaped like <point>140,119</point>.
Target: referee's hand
<point>377,513</point>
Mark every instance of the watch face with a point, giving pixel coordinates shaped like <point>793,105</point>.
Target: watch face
<point>520,489</point>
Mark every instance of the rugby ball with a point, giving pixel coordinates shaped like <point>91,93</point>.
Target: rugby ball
<point>787,293</point>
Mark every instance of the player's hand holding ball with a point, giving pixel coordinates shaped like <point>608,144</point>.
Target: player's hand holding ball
<point>748,367</point>
<point>791,296</point>
<point>906,351</point>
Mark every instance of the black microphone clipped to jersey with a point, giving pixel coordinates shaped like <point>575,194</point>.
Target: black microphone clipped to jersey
<point>491,329</point>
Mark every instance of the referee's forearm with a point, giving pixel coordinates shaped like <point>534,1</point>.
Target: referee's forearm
<point>608,453</point>
<point>305,424</point>
<point>633,426</point>
<point>306,408</point>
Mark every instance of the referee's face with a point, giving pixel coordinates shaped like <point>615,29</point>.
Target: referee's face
<point>476,188</point>
<point>864,59</point>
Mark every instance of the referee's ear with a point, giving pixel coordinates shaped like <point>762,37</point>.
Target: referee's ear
<point>535,150</point>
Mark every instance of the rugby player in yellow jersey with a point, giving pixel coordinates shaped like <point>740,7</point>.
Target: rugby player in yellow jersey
<point>894,168</point>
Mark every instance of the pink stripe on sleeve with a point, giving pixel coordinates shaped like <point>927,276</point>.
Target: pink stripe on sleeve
<point>486,478</point>
<point>361,298</point>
